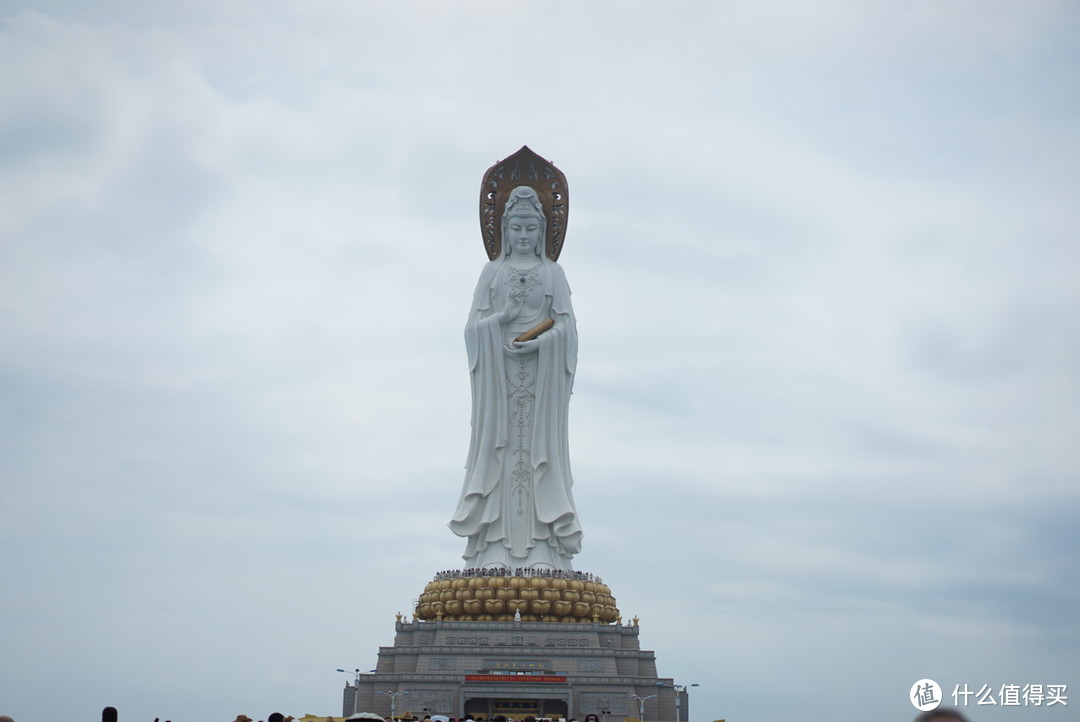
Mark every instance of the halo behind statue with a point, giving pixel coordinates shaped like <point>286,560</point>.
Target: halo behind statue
<point>524,168</point>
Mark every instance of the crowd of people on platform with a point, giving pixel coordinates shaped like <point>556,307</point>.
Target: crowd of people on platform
<point>518,572</point>
<point>109,714</point>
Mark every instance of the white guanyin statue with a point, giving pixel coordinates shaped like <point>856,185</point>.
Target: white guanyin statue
<point>516,507</point>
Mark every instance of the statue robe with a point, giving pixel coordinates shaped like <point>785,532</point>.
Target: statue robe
<point>529,520</point>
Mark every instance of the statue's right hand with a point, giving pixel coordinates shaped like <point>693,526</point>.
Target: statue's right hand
<point>511,310</point>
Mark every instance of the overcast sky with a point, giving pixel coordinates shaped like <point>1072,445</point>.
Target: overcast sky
<point>824,259</point>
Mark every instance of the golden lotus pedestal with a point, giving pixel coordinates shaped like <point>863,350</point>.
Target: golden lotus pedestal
<point>498,598</point>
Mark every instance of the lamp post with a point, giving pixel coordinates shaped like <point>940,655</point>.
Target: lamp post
<point>393,701</point>
<point>641,705</point>
<point>680,690</point>
<point>353,671</point>
<point>356,671</point>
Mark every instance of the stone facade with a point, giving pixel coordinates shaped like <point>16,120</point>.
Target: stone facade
<point>516,669</point>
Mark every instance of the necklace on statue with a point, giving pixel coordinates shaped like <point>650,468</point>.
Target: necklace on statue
<point>523,278</point>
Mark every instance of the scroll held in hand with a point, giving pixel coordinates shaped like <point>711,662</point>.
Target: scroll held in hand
<point>535,331</point>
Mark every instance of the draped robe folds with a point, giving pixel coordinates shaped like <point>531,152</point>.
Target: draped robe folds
<point>538,526</point>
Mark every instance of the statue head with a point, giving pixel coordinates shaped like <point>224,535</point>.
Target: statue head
<point>523,220</point>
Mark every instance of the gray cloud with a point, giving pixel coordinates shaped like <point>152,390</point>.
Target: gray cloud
<point>825,417</point>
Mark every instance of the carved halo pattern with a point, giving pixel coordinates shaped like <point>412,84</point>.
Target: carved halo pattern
<point>524,168</point>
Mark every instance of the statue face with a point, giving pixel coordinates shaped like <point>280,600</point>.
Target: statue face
<point>523,235</point>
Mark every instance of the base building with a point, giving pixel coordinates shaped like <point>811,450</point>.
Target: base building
<point>515,669</point>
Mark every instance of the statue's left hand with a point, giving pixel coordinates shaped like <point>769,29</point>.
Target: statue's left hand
<point>523,347</point>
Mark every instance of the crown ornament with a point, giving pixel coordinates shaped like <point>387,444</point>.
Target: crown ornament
<point>524,168</point>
